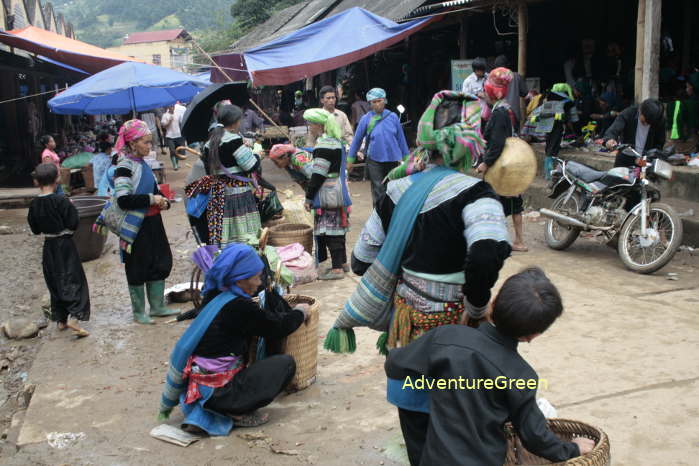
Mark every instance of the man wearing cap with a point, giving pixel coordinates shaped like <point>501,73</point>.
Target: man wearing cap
<point>328,99</point>
<point>385,142</point>
<point>643,127</point>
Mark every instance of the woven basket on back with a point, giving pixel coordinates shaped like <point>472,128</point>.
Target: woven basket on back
<point>288,233</point>
<point>565,429</point>
<point>302,345</point>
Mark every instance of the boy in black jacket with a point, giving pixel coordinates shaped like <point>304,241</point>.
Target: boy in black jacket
<point>479,381</point>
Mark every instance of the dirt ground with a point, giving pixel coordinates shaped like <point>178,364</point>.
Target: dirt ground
<point>622,357</point>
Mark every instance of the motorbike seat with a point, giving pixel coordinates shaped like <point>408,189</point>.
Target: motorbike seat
<point>618,176</point>
<point>583,172</point>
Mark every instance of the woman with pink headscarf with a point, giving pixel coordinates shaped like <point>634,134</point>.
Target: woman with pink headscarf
<point>500,126</point>
<point>297,162</point>
<point>145,250</point>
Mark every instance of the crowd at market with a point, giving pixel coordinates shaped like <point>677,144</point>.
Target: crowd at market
<point>428,256</point>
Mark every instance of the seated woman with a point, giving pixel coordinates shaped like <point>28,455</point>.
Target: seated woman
<point>297,162</point>
<point>208,374</point>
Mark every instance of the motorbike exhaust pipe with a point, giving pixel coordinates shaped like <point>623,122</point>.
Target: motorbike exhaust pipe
<point>563,219</point>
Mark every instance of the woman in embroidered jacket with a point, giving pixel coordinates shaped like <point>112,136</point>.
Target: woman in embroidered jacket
<point>207,375</point>
<point>327,193</point>
<point>457,244</point>
<point>297,162</point>
<point>501,125</point>
<point>232,213</point>
<point>144,246</point>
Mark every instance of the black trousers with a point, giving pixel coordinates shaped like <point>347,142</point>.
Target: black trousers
<point>65,279</point>
<point>377,172</point>
<point>554,138</point>
<point>336,246</point>
<point>254,387</point>
<point>414,426</point>
<point>150,259</point>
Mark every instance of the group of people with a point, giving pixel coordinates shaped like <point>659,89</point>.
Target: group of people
<point>431,250</point>
<point>442,234</point>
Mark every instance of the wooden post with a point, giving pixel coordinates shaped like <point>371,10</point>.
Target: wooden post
<point>640,26</point>
<point>651,49</point>
<point>687,34</point>
<point>463,37</point>
<point>522,27</point>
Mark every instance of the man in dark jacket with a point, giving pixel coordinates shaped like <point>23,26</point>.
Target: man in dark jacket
<point>643,127</point>
<point>477,381</point>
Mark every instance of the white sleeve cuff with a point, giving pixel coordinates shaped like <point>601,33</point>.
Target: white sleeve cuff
<point>473,311</point>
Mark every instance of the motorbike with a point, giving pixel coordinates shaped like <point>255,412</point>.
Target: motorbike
<point>622,205</point>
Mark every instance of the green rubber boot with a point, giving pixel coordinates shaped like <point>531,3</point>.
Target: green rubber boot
<point>156,299</point>
<point>138,305</point>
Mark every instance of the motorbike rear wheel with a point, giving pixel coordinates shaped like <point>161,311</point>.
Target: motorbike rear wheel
<point>666,227</point>
<point>557,236</point>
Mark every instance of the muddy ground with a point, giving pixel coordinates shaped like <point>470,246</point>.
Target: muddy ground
<point>623,357</point>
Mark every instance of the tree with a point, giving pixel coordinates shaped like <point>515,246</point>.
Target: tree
<point>250,13</point>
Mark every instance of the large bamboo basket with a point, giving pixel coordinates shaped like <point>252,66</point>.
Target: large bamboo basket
<point>288,233</point>
<point>302,345</point>
<point>565,429</point>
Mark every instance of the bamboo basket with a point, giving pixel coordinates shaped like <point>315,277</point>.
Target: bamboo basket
<point>302,345</point>
<point>288,233</point>
<point>564,429</point>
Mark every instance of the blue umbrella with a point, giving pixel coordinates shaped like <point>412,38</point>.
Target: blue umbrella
<point>127,87</point>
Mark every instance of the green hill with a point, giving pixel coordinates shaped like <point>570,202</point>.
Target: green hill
<point>106,22</point>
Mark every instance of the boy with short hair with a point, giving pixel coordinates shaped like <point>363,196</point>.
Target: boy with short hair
<point>56,218</point>
<point>465,423</point>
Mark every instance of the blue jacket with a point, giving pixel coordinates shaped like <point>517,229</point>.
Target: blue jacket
<point>387,141</point>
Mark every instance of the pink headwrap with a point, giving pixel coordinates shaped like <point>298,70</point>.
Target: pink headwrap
<point>498,82</point>
<point>130,131</point>
<point>280,150</point>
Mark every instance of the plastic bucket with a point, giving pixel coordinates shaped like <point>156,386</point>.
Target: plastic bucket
<point>89,243</point>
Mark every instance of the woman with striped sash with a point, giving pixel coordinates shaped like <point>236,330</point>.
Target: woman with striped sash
<point>144,246</point>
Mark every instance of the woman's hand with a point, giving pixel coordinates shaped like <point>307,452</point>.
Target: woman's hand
<point>158,200</point>
<point>305,308</point>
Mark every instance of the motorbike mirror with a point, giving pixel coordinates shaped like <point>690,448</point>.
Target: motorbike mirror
<point>400,109</point>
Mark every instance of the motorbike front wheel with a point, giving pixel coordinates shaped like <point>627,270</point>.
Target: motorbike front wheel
<point>652,252</point>
<point>557,236</point>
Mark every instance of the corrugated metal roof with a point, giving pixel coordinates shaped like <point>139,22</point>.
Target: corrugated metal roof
<point>390,9</point>
<point>283,22</point>
<point>153,36</point>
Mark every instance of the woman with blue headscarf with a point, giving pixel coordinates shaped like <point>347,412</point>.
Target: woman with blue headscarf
<point>208,375</point>
<point>385,145</point>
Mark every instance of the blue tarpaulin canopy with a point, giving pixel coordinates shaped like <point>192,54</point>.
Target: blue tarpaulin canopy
<point>127,87</point>
<point>328,44</point>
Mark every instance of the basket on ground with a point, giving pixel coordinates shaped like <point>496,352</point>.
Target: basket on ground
<point>302,345</point>
<point>565,429</point>
<point>288,233</point>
